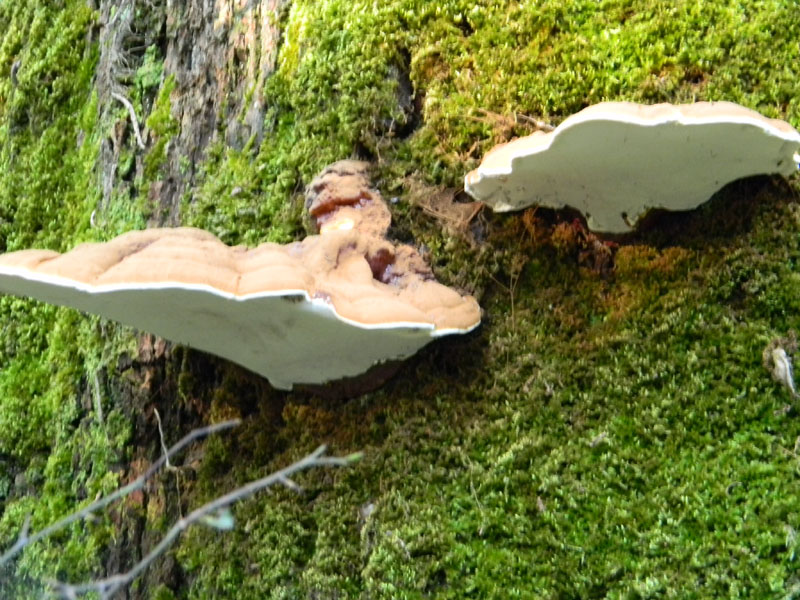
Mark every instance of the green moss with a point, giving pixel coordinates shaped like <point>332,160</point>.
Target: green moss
<point>600,436</point>
<point>163,126</point>
<point>612,437</point>
<point>162,593</point>
<point>338,88</point>
<point>149,75</point>
<point>56,452</point>
<point>236,203</point>
<point>68,463</point>
<point>43,115</point>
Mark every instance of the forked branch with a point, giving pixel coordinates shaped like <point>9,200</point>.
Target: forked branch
<point>213,513</point>
<point>137,484</point>
<point>206,513</point>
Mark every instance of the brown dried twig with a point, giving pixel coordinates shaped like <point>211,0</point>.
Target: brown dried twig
<point>508,122</point>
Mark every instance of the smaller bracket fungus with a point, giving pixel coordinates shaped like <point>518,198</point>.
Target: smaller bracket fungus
<point>614,161</point>
<point>340,197</point>
<point>310,312</point>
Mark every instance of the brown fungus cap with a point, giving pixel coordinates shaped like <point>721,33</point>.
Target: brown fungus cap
<point>341,197</point>
<point>329,307</point>
<point>334,266</point>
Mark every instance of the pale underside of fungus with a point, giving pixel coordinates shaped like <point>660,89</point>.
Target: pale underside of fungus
<point>326,308</point>
<point>614,161</point>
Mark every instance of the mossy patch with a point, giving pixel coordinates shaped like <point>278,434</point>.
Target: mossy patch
<point>57,451</point>
<point>604,434</point>
<point>601,436</point>
<point>163,126</point>
<point>645,453</point>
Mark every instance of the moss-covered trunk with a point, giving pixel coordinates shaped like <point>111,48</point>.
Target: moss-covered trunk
<point>609,431</point>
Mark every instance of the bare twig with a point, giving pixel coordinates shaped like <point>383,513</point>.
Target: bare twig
<point>14,70</point>
<point>171,468</point>
<point>98,400</point>
<point>509,121</point>
<point>537,123</point>
<point>25,540</point>
<point>776,358</point>
<point>598,439</point>
<point>134,120</point>
<point>21,542</point>
<point>106,587</point>
<point>161,437</point>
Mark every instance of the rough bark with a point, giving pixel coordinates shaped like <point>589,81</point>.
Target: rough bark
<point>220,53</point>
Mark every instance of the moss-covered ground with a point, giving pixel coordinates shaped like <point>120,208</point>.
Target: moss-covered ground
<point>605,433</point>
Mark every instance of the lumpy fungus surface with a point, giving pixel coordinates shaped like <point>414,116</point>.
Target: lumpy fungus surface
<point>328,307</point>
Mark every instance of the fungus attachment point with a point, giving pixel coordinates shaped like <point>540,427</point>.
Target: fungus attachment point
<point>616,160</point>
<point>327,308</point>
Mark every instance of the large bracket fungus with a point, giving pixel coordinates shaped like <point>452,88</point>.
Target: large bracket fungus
<point>614,161</point>
<point>329,307</point>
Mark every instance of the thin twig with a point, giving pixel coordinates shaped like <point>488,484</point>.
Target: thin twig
<point>161,437</point>
<point>108,586</point>
<point>490,117</point>
<point>538,123</point>
<point>171,468</point>
<point>98,400</point>
<point>137,484</point>
<point>132,112</point>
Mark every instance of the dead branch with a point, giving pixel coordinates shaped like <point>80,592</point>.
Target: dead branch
<point>108,586</point>
<point>214,513</point>
<point>25,540</point>
<point>537,123</point>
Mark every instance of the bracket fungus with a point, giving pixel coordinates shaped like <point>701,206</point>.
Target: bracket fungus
<point>329,307</point>
<point>616,160</point>
<point>340,197</point>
